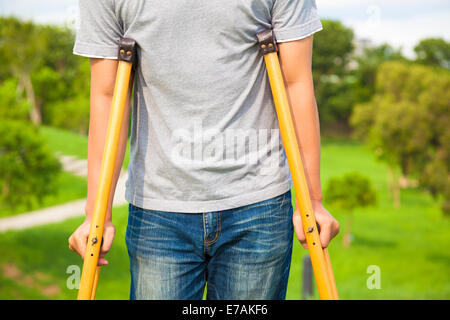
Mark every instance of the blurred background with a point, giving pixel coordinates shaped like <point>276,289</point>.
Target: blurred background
<point>382,83</point>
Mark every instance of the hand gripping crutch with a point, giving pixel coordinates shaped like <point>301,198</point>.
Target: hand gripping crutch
<point>319,257</point>
<point>90,273</point>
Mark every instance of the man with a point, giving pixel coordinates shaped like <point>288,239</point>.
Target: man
<point>209,185</point>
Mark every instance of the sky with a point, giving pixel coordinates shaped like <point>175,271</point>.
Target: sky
<point>401,23</point>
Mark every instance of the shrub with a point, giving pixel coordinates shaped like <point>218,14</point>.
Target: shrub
<point>27,168</point>
<point>347,193</point>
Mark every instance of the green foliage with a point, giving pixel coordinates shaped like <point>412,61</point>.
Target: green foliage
<point>332,50</point>
<point>406,122</point>
<point>350,191</point>
<point>12,104</point>
<point>367,65</point>
<point>72,71</point>
<point>69,109</point>
<point>41,58</point>
<point>59,44</point>
<point>343,78</point>
<point>80,82</point>
<point>72,114</point>
<point>63,85</point>
<point>362,119</point>
<point>433,51</point>
<point>28,168</point>
<point>49,89</point>
<point>21,45</point>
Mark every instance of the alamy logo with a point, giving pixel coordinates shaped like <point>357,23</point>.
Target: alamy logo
<point>374,280</point>
<point>198,147</point>
<point>73,280</point>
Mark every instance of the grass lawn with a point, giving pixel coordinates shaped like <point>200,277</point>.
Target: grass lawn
<point>408,244</point>
<point>72,144</point>
<point>68,188</point>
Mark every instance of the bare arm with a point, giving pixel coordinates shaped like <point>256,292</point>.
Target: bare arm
<point>295,57</point>
<point>103,76</point>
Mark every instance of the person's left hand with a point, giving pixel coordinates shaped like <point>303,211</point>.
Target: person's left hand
<point>329,227</point>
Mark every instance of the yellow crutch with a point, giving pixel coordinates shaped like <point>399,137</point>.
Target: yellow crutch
<point>90,273</point>
<point>320,259</point>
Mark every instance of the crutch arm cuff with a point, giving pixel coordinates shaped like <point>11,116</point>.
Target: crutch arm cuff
<point>267,41</point>
<point>127,50</point>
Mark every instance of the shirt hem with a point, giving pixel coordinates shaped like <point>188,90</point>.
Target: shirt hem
<point>209,205</point>
<point>300,37</point>
<point>298,32</point>
<point>90,50</point>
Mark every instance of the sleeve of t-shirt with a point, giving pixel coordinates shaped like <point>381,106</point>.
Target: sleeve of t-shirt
<point>294,19</point>
<point>98,30</point>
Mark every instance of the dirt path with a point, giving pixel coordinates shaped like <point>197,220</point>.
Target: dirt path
<point>64,211</point>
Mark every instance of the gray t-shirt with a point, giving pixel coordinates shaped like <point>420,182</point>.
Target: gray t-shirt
<point>204,134</point>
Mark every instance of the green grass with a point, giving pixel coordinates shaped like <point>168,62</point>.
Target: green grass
<point>68,188</point>
<point>65,142</point>
<point>409,245</point>
<point>44,250</point>
<point>406,243</point>
<point>73,144</point>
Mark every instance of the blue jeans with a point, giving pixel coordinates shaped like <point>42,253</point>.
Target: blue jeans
<point>242,253</point>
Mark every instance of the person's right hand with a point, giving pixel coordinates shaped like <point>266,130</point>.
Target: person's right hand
<point>78,240</point>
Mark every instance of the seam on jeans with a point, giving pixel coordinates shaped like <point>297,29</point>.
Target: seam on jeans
<point>217,232</point>
<point>218,229</point>
<point>205,246</point>
<point>204,227</point>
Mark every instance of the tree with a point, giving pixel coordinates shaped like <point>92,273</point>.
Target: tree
<point>48,74</point>
<point>433,51</point>
<point>50,89</point>
<point>71,110</point>
<point>12,104</point>
<point>368,62</point>
<point>28,168</point>
<point>343,77</point>
<point>59,42</point>
<point>333,86</point>
<point>348,193</point>
<point>406,124</point>
<point>68,73</point>
<point>24,45</point>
